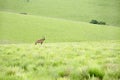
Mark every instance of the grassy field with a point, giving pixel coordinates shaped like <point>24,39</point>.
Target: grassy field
<point>76,10</point>
<point>85,60</point>
<point>18,28</point>
<point>74,49</point>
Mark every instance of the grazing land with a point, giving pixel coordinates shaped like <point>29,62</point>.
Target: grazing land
<point>18,28</point>
<point>76,10</point>
<point>87,60</point>
<point>73,48</point>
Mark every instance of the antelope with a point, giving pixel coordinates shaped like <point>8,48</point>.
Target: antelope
<point>40,41</point>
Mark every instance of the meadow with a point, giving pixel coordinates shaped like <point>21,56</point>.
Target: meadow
<point>85,60</point>
<point>19,28</point>
<point>76,10</point>
<point>73,49</point>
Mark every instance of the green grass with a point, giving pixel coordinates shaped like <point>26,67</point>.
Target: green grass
<point>73,50</point>
<point>15,28</point>
<point>61,61</point>
<point>76,10</point>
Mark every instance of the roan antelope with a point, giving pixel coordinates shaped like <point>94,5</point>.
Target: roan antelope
<point>40,41</point>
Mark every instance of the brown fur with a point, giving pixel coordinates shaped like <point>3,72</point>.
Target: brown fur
<point>40,41</point>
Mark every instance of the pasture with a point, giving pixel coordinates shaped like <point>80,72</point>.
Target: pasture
<point>86,60</point>
<point>73,48</point>
<point>18,28</point>
<point>75,10</point>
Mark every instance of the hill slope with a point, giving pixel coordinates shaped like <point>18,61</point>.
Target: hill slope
<point>78,10</point>
<point>28,28</point>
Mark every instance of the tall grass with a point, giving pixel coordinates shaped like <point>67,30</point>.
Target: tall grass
<point>61,61</point>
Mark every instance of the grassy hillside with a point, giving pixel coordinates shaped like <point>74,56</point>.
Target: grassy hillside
<point>78,10</point>
<point>28,28</point>
<point>60,61</point>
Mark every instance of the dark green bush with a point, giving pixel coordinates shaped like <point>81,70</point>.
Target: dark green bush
<point>97,22</point>
<point>94,21</point>
<point>102,23</point>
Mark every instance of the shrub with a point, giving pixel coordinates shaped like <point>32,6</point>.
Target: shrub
<point>102,23</point>
<point>94,21</point>
<point>97,22</point>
